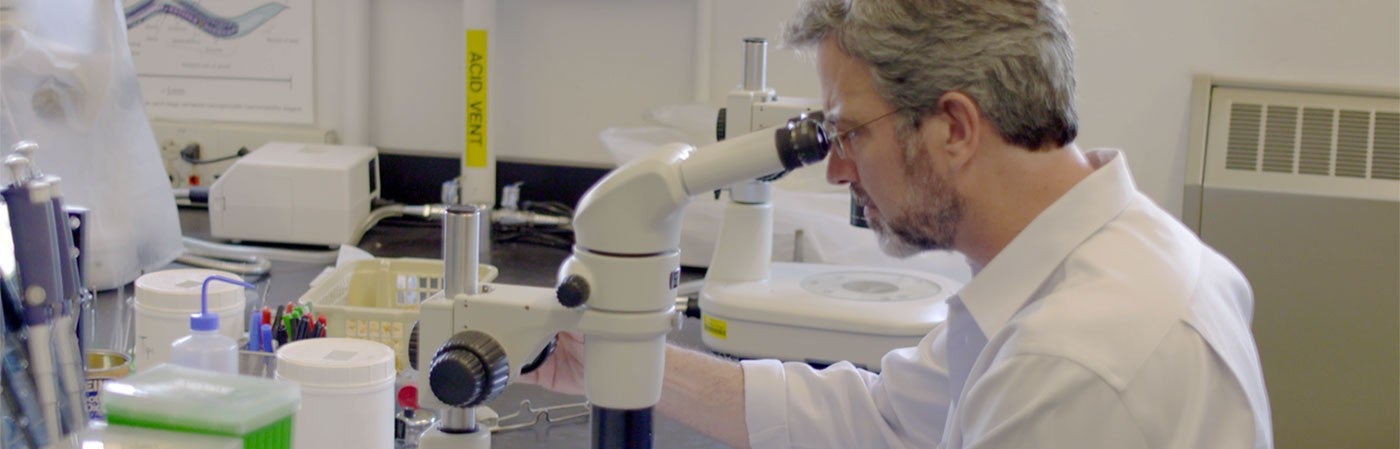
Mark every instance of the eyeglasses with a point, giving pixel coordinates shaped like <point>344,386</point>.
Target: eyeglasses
<point>843,146</point>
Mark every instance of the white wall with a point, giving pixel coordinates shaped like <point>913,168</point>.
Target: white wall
<point>565,70</point>
<point>572,68</point>
<point>1136,59</point>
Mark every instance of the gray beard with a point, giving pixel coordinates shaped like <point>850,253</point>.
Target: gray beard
<point>892,243</point>
<point>926,225</point>
<point>928,217</point>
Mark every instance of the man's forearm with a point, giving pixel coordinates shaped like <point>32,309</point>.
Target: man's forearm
<point>706,393</point>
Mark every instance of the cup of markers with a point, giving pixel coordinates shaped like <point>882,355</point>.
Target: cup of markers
<point>274,328</point>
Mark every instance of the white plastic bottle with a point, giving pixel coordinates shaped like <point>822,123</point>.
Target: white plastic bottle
<point>205,348</point>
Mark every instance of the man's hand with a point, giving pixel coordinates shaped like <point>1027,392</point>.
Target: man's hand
<point>702,391</point>
<point>562,372</point>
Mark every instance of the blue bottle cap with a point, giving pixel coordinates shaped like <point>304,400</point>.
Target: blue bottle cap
<point>204,321</point>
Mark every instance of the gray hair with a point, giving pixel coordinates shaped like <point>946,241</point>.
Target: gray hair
<point>1013,57</point>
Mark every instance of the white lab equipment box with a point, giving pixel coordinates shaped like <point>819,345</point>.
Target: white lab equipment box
<point>296,193</point>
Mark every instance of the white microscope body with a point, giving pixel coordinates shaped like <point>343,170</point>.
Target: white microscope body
<point>618,289</point>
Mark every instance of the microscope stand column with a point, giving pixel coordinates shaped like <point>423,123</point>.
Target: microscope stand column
<point>627,429</point>
<point>457,429</point>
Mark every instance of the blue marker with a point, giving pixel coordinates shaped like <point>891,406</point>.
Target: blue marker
<point>254,334</point>
<point>266,334</point>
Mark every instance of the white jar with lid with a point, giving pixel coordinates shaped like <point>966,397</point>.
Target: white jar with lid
<point>347,392</point>
<point>164,302</point>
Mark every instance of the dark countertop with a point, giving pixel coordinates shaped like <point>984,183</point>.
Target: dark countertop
<point>519,264</point>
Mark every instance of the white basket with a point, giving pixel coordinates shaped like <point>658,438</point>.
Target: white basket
<point>377,299</point>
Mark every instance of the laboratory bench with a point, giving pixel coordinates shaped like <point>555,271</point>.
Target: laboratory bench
<point>519,264</point>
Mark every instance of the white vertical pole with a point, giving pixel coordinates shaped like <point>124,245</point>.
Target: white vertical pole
<point>355,86</point>
<point>704,31</point>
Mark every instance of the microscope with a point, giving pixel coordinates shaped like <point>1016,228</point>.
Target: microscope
<point>753,307</point>
<point>618,289</point>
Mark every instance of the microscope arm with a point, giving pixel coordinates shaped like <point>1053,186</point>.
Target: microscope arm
<point>636,208</point>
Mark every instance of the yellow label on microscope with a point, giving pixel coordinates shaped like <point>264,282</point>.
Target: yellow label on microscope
<point>476,116</point>
<point>716,327</point>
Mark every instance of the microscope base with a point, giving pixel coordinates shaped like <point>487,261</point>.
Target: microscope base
<point>823,314</point>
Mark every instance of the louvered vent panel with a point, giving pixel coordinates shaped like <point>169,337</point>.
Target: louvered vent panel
<point>1385,154</point>
<point>1280,127</point>
<point>1315,144</point>
<point>1353,137</point>
<point>1327,142</point>
<point>1242,151</point>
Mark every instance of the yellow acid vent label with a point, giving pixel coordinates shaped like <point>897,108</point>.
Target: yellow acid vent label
<point>477,83</point>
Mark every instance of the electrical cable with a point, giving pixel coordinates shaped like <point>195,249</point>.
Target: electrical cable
<point>257,267</point>
<point>190,154</point>
<point>206,254</point>
<point>323,257</point>
<point>544,223</point>
<point>430,211</point>
<point>547,223</point>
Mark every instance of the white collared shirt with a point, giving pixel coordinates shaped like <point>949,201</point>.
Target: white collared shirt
<point>1104,324</point>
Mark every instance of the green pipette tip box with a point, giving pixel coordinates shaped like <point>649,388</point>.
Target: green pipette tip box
<point>183,399</point>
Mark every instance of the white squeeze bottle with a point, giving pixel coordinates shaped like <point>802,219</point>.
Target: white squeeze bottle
<point>205,348</point>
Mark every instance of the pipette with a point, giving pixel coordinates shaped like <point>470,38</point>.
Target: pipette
<point>30,205</point>
<point>19,386</point>
<point>65,322</point>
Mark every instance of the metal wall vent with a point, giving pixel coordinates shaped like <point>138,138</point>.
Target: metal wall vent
<point>1310,140</point>
<point>1313,140</point>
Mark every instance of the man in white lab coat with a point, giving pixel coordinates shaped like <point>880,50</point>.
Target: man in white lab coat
<point>1094,320</point>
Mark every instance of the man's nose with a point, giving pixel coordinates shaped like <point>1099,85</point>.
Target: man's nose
<point>840,170</point>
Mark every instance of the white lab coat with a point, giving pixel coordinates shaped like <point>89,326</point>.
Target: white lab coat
<point>1104,324</point>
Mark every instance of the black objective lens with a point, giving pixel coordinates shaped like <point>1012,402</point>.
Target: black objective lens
<point>858,213</point>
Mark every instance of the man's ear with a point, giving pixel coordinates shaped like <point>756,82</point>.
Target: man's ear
<point>965,125</point>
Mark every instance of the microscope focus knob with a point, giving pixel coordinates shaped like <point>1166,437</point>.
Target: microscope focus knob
<point>573,292</point>
<point>469,369</point>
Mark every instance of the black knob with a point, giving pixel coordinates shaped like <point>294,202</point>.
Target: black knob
<point>573,292</point>
<point>469,369</point>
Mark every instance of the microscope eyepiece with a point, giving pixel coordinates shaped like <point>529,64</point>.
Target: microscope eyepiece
<point>802,141</point>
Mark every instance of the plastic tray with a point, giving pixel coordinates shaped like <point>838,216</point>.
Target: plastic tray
<point>176,398</point>
<point>377,299</point>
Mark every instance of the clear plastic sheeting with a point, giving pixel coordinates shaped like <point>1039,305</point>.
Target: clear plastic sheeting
<point>69,85</point>
<point>810,217</point>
